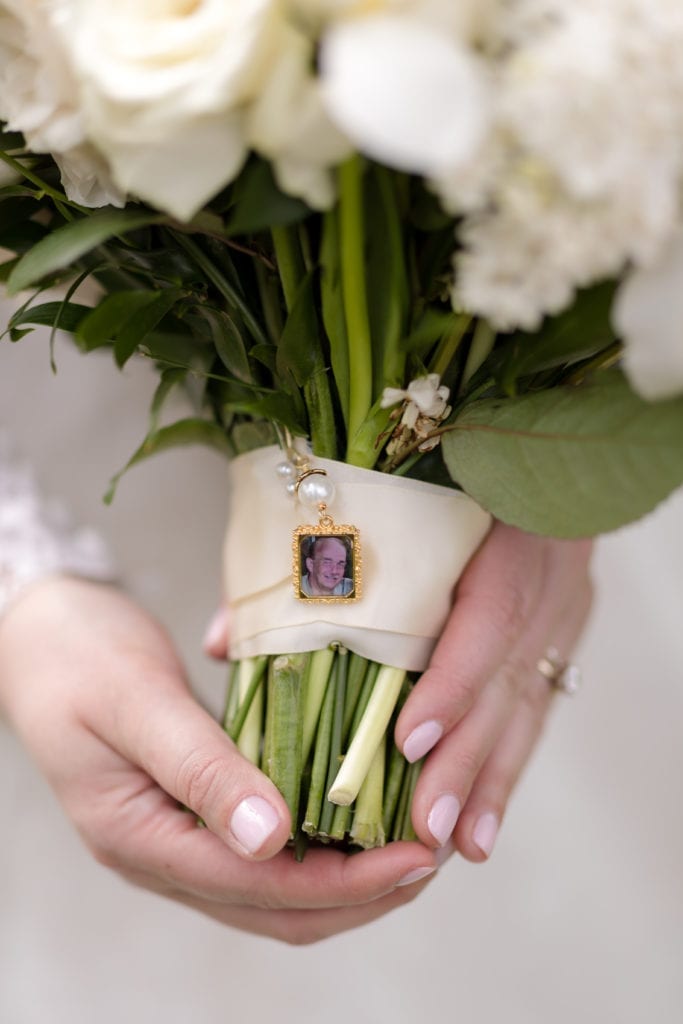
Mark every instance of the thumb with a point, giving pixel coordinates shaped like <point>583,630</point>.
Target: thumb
<point>189,755</point>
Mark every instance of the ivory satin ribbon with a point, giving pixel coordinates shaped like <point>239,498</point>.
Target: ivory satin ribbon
<point>415,539</point>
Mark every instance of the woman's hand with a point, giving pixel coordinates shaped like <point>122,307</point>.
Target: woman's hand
<point>480,705</point>
<point>94,688</point>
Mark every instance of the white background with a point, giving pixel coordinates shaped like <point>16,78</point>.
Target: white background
<point>578,917</point>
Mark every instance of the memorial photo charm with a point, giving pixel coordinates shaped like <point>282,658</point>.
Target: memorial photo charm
<point>326,562</point>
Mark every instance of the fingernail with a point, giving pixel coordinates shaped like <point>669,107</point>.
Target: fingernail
<point>253,821</point>
<point>485,832</point>
<point>217,629</point>
<point>443,816</point>
<point>415,875</point>
<point>422,739</point>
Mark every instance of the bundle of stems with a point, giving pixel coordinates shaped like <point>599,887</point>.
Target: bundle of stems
<point>320,725</point>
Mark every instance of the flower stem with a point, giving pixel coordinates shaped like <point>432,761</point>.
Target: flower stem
<point>249,738</point>
<point>480,349</point>
<point>284,764</point>
<point>327,811</point>
<point>367,738</point>
<point>352,250</point>
<point>319,668</point>
<point>321,758</point>
<point>368,828</point>
<point>251,680</point>
<point>394,784</point>
<point>290,262</point>
<point>449,345</point>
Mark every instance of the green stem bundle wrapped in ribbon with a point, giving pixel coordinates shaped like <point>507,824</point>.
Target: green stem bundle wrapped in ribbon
<point>421,283</point>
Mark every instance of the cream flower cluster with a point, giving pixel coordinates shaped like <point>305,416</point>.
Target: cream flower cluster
<point>553,131</point>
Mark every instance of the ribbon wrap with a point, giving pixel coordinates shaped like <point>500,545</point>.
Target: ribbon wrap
<point>416,539</point>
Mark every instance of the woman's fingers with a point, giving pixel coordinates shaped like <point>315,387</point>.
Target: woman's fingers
<point>454,766</point>
<point>483,813</point>
<point>165,732</point>
<point>497,596</point>
<point>215,642</point>
<point>303,927</point>
<point>139,831</point>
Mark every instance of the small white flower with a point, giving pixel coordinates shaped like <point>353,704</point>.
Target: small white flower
<point>648,315</point>
<point>425,403</point>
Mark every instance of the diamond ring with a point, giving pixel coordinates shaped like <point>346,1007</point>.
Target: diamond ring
<point>562,675</point>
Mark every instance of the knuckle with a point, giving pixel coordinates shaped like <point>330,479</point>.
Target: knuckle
<point>457,692</point>
<point>198,779</point>
<point>467,763</point>
<point>507,611</point>
<point>512,674</point>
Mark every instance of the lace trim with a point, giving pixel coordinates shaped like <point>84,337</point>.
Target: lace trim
<point>37,537</point>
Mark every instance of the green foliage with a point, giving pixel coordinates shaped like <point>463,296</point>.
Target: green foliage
<point>275,318</point>
<point>257,204</point>
<point>578,332</point>
<point>568,461</point>
<point>184,432</point>
<point>65,245</point>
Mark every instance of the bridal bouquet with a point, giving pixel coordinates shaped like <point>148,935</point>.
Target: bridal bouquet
<point>417,263</point>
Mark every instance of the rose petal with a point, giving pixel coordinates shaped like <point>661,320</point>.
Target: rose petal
<point>404,93</point>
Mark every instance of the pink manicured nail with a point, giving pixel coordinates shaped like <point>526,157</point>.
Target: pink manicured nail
<point>422,739</point>
<point>485,832</point>
<point>415,875</point>
<point>252,822</point>
<point>217,629</point>
<point>443,816</point>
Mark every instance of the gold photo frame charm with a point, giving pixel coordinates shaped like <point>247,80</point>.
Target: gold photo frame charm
<point>326,562</point>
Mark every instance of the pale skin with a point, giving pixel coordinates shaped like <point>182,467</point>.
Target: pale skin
<point>326,568</point>
<point>103,705</point>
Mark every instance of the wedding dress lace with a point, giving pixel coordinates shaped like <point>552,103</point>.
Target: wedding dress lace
<point>37,538</point>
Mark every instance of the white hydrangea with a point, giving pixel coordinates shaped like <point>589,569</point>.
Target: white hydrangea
<point>581,172</point>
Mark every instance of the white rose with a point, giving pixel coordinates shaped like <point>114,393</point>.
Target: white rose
<point>39,98</point>
<point>288,124</point>
<point>648,315</point>
<point>164,83</point>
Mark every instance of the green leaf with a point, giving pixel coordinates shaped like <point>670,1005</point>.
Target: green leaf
<point>184,432</point>
<point>111,315</point>
<point>568,462</point>
<point>168,381</point>
<point>278,408</point>
<point>136,329</point>
<point>258,204</point>
<point>332,300</point>
<point>578,332</point>
<point>70,314</point>
<point>228,341</point>
<point>387,282</point>
<point>298,350</point>
<point>6,269</point>
<point>11,140</point>
<point>69,243</point>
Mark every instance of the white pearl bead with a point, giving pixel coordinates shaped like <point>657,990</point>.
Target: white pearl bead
<point>291,488</point>
<point>285,470</point>
<point>315,490</point>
